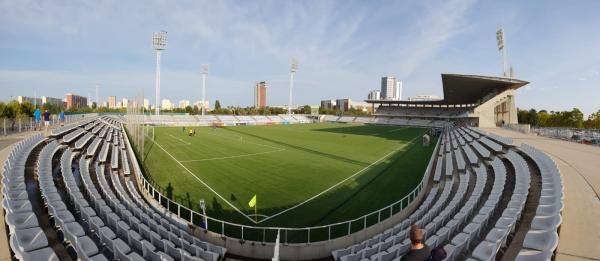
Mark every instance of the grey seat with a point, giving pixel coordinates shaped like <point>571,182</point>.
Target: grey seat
<point>29,239</point>
<point>187,257</point>
<point>389,256</point>
<point>207,255</point>
<point>460,241</point>
<point>541,240</point>
<point>42,254</point>
<point>485,251</point>
<point>72,231</point>
<point>107,236</point>
<point>497,236</point>
<point>21,221</point>
<point>450,251</point>
<point>86,247</point>
<point>17,206</point>
<point>352,257</point>
<point>546,222</point>
<point>533,255</point>
<point>124,256</point>
<point>368,252</point>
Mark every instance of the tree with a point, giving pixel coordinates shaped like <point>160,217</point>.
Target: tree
<point>306,109</point>
<point>593,120</point>
<point>217,105</point>
<point>522,116</point>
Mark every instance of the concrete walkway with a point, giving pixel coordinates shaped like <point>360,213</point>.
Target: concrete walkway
<point>6,145</point>
<point>579,165</point>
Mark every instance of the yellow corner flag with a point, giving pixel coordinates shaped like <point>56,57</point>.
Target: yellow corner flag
<point>252,202</point>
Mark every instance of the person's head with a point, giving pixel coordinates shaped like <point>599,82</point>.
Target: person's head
<point>416,235</point>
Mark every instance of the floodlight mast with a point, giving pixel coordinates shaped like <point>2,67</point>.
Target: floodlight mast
<point>159,42</point>
<point>501,40</point>
<point>204,73</point>
<point>293,70</point>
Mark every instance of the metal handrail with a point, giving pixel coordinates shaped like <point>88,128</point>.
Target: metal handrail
<point>153,192</point>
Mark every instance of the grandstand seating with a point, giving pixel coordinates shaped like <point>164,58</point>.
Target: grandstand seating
<point>90,200</point>
<point>474,207</point>
<point>429,112</point>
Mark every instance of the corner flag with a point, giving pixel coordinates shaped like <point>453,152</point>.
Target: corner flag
<point>252,202</point>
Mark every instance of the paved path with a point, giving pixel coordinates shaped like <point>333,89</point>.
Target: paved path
<point>580,168</point>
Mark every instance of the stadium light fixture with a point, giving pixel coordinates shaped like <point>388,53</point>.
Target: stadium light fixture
<point>204,73</point>
<point>159,43</point>
<point>293,70</point>
<point>501,41</point>
<point>97,101</point>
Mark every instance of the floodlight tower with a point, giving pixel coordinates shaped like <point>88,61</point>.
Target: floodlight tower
<point>97,101</point>
<point>204,73</point>
<point>500,39</point>
<point>159,42</point>
<point>293,70</point>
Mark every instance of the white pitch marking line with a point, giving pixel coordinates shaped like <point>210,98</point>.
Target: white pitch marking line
<point>203,183</point>
<point>242,140</point>
<point>184,142</point>
<point>337,184</point>
<point>231,157</point>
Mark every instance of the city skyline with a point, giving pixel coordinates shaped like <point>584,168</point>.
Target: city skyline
<point>52,49</point>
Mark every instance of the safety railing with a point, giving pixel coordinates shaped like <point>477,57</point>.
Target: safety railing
<point>289,235</point>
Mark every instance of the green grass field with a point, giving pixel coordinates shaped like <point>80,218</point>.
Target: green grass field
<point>303,175</point>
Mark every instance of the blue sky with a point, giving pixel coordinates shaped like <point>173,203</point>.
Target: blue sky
<point>343,48</point>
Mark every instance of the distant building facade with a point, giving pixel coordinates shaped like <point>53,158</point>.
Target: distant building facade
<point>198,104</point>
<point>374,95</point>
<point>166,104</point>
<point>112,102</point>
<point>388,84</point>
<point>343,104</point>
<point>125,103</point>
<point>391,89</point>
<point>328,104</point>
<point>183,104</point>
<point>76,101</point>
<point>146,104</point>
<point>260,95</point>
<point>53,101</point>
<point>34,101</point>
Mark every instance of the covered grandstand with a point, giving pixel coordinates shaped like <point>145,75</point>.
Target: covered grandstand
<point>484,101</point>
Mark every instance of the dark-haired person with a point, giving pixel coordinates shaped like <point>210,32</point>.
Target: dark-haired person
<point>418,250</point>
<point>46,119</point>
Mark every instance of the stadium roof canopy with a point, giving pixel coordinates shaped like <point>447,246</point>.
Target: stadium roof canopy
<point>466,89</point>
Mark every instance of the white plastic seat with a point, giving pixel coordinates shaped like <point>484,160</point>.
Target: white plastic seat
<point>485,251</point>
<point>29,239</point>
<point>533,255</point>
<point>541,240</point>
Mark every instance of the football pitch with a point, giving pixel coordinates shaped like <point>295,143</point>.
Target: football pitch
<point>302,175</point>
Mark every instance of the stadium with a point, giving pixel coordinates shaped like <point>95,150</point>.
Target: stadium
<point>307,187</point>
<point>466,175</point>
